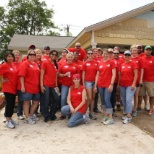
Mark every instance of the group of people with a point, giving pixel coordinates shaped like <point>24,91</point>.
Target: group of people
<point>74,82</point>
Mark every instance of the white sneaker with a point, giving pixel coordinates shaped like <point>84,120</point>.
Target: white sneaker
<point>30,121</point>
<point>9,124</point>
<point>104,119</point>
<point>127,120</point>
<point>4,119</point>
<point>108,122</point>
<point>35,118</point>
<point>86,118</point>
<point>21,117</point>
<point>14,122</point>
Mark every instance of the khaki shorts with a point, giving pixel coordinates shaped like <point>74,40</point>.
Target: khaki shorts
<point>147,87</point>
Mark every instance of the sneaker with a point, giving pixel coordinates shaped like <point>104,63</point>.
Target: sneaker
<point>134,113</point>
<point>124,117</point>
<point>21,117</point>
<point>104,119</point>
<point>127,120</point>
<point>35,118</point>
<point>108,121</point>
<point>147,107</point>
<point>4,119</point>
<point>30,121</point>
<point>9,124</point>
<point>139,109</point>
<point>92,116</point>
<point>86,118</point>
<point>14,122</point>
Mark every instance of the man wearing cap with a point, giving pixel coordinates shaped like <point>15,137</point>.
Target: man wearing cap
<point>82,52</point>
<point>148,75</point>
<point>46,53</point>
<point>110,52</point>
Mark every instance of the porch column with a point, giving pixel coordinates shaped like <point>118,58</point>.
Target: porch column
<point>93,44</point>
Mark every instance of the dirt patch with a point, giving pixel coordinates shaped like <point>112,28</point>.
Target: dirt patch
<point>145,122</point>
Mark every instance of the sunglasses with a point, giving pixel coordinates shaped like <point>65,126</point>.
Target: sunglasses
<point>89,53</point>
<point>127,55</point>
<point>78,46</point>
<point>116,53</point>
<point>32,54</point>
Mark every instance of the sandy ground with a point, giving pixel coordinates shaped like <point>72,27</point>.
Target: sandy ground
<point>55,137</point>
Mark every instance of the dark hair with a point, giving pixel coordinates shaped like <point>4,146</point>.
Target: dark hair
<point>55,62</point>
<point>7,54</point>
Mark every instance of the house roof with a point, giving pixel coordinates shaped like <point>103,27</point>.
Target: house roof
<point>22,42</point>
<point>114,20</point>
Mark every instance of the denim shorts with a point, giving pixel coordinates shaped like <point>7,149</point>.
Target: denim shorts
<point>28,97</point>
<point>89,84</point>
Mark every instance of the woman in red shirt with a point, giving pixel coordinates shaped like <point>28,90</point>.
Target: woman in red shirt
<point>127,81</point>
<point>66,72</point>
<point>48,83</point>
<point>89,70</point>
<point>136,59</point>
<point>9,87</point>
<point>106,73</point>
<point>76,100</point>
<point>30,86</point>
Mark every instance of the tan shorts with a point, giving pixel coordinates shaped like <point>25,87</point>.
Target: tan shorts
<point>147,87</point>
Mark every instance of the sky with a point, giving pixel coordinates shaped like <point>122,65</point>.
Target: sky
<point>78,14</point>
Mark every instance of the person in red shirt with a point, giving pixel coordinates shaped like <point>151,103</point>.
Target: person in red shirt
<point>9,87</point>
<point>105,77</point>
<point>76,100</point>
<point>82,52</point>
<point>118,61</point>
<point>66,72</point>
<point>89,70</point>
<point>148,75</point>
<point>38,59</point>
<point>46,53</point>
<point>127,83</point>
<point>18,64</point>
<point>136,59</point>
<point>48,83</point>
<point>30,86</point>
<point>63,59</point>
<point>121,56</point>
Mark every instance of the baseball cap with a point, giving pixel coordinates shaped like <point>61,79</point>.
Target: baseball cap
<point>147,47</point>
<point>46,48</point>
<point>76,76</point>
<point>76,52</point>
<point>127,52</point>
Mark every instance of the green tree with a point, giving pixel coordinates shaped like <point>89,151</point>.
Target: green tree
<point>29,17</point>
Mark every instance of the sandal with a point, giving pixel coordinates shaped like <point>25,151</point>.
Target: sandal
<point>151,111</point>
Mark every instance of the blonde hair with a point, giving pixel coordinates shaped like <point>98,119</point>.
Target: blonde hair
<point>133,46</point>
<point>69,54</point>
<point>38,50</point>
<point>16,51</point>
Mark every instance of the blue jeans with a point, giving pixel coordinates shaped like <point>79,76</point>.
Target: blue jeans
<point>20,103</point>
<point>64,93</point>
<point>50,102</point>
<point>126,95</point>
<point>105,99</point>
<point>75,119</point>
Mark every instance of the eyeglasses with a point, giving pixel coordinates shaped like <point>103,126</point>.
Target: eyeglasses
<point>32,54</point>
<point>127,55</point>
<point>78,46</point>
<point>116,53</point>
<point>89,53</point>
<point>54,54</point>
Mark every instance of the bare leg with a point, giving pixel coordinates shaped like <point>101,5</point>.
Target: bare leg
<point>33,107</point>
<point>26,106</point>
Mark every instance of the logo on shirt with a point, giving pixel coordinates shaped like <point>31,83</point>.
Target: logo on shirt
<point>129,67</point>
<point>108,65</point>
<point>11,69</point>
<point>88,64</point>
<point>150,62</point>
<point>73,67</point>
<point>123,66</point>
<point>31,65</point>
<point>66,66</point>
<point>79,93</point>
<point>100,66</point>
